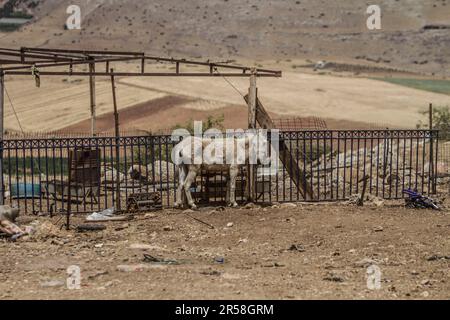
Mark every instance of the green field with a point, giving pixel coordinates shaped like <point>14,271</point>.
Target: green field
<point>437,86</point>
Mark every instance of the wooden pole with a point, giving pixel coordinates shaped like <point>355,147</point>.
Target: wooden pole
<point>252,94</point>
<point>92,98</point>
<point>117,135</point>
<point>2,100</point>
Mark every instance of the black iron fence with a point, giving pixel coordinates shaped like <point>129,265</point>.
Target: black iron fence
<point>333,164</point>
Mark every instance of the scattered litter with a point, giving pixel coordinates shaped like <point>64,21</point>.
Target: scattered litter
<point>200,221</point>
<point>333,277</point>
<point>288,205</point>
<point>274,265</point>
<point>150,259</point>
<point>356,200</point>
<point>122,227</point>
<point>143,246</point>
<point>242,241</point>
<point>418,201</point>
<point>144,201</point>
<point>364,263</point>
<point>98,274</point>
<point>378,229</point>
<point>220,260</point>
<point>45,230</point>
<point>297,247</point>
<point>90,227</point>
<point>425,282</point>
<point>8,216</point>
<point>52,284</point>
<point>102,216</point>
<point>210,273</point>
<point>138,267</point>
<point>438,257</point>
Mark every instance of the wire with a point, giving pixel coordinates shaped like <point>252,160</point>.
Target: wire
<point>229,82</point>
<point>20,125</point>
<point>14,110</point>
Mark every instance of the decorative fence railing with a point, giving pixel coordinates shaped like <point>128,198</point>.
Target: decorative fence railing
<point>334,164</point>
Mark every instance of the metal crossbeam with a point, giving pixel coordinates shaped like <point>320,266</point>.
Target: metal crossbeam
<point>138,74</point>
<point>67,57</point>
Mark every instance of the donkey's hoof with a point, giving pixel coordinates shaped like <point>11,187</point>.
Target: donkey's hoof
<point>177,205</point>
<point>193,206</point>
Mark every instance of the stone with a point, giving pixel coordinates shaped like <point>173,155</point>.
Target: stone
<point>334,277</point>
<point>243,241</point>
<point>98,274</point>
<point>144,247</point>
<point>52,284</point>
<point>122,227</point>
<point>378,229</point>
<point>364,263</point>
<point>425,282</point>
<point>9,213</point>
<point>288,205</point>
<point>230,225</point>
<point>250,206</point>
<point>168,228</point>
<point>138,267</point>
<point>297,247</point>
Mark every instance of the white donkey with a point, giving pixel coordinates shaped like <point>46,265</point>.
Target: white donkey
<point>195,154</point>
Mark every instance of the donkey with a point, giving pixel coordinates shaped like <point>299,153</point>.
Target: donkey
<point>219,154</point>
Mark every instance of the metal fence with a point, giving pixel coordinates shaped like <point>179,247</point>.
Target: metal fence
<point>334,164</point>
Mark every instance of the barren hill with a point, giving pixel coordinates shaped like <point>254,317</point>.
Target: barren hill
<point>251,29</point>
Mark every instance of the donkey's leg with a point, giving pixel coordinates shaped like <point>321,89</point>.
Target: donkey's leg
<point>234,171</point>
<point>227,196</point>
<point>181,180</point>
<point>190,178</point>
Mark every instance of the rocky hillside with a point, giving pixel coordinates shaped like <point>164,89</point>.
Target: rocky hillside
<point>253,29</point>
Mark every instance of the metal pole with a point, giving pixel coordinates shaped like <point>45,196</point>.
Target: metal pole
<point>2,100</point>
<point>117,135</point>
<point>92,97</point>
<point>252,96</point>
<point>432,178</point>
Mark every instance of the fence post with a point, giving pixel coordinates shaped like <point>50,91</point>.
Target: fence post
<point>92,96</point>
<point>252,98</point>
<point>117,136</point>
<point>2,100</point>
<point>432,171</point>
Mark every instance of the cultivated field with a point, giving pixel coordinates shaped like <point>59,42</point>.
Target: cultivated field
<point>160,103</point>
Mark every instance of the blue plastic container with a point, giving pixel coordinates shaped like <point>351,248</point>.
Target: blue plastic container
<point>25,191</point>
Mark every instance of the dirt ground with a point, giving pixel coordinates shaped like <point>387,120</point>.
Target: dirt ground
<point>306,251</point>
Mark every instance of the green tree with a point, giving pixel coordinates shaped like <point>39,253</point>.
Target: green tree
<point>441,121</point>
